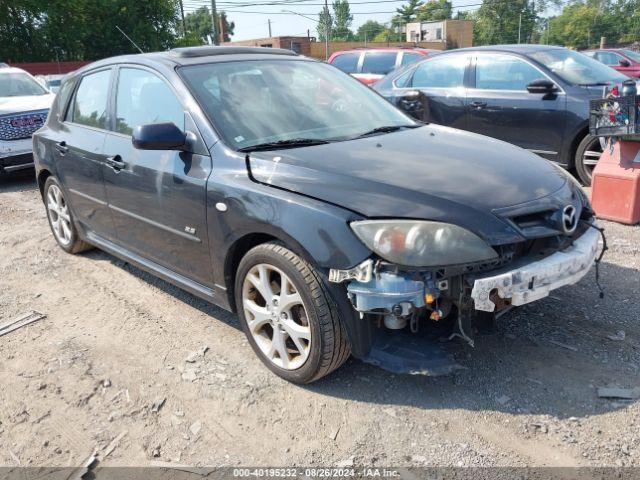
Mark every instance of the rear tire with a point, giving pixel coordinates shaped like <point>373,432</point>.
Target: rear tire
<point>284,307</point>
<point>61,219</point>
<point>587,155</point>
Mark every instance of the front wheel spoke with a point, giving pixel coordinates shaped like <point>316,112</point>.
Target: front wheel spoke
<point>65,229</point>
<point>297,333</point>
<point>64,213</point>
<point>278,346</point>
<point>290,300</point>
<point>261,283</point>
<point>260,315</point>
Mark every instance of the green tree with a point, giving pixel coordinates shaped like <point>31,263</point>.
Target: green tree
<point>407,13</point>
<point>369,30</point>
<point>499,22</point>
<point>342,20</point>
<point>324,24</point>
<point>435,10</point>
<point>198,24</point>
<point>581,24</point>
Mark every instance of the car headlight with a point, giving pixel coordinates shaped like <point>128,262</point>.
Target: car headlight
<point>422,243</point>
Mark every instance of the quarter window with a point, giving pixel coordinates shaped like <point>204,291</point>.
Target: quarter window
<point>504,73</point>
<point>379,63</point>
<point>90,104</point>
<point>144,98</point>
<point>347,62</point>
<point>441,72</point>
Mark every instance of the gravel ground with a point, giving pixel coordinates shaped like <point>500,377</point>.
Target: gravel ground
<point>115,342</point>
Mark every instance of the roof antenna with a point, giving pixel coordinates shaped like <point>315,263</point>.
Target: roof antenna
<point>127,37</point>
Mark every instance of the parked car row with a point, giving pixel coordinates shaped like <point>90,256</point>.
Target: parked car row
<point>333,223</point>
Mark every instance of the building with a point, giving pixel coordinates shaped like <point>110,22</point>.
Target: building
<point>451,33</point>
<point>301,45</point>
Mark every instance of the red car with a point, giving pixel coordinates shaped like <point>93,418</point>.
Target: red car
<point>371,64</point>
<point>621,59</point>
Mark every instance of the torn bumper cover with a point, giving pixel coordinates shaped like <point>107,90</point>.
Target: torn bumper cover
<point>535,280</point>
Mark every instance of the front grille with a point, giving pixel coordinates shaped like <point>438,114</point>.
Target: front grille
<point>21,125</point>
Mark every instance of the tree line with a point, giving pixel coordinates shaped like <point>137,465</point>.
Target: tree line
<point>579,23</point>
<point>37,30</point>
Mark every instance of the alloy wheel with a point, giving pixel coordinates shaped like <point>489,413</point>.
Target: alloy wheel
<point>592,154</point>
<point>276,316</point>
<point>59,215</point>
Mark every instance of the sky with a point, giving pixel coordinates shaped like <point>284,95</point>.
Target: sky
<point>251,16</point>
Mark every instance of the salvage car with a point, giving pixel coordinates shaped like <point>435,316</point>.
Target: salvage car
<point>24,106</point>
<point>534,96</point>
<point>331,228</point>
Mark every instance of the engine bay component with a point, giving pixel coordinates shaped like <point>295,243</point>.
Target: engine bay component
<point>361,273</point>
<point>385,291</point>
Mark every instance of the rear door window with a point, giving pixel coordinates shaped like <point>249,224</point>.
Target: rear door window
<point>379,63</point>
<point>446,71</point>
<point>347,62</point>
<point>90,104</point>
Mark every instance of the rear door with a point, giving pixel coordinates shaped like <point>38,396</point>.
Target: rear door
<point>157,198</point>
<point>79,148</point>
<point>436,91</point>
<point>500,106</point>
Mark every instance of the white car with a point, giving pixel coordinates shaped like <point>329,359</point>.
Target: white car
<point>24,106</point>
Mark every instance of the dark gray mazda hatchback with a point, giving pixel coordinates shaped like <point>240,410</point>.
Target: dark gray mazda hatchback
<point>279,187</point>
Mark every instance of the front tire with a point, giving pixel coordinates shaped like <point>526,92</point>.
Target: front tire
<point>61,219</point>
<point>288,315</point>
<point>588,153</point>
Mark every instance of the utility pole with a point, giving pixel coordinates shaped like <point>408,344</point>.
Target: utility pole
<point>327,30</point>
<point>269,22</point>
<point>184,26</point>
<point>214,23</point>
<point>519,27</point>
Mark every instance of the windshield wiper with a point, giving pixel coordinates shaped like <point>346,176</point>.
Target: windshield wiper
<point>292,143</point>
<point>385,129</point>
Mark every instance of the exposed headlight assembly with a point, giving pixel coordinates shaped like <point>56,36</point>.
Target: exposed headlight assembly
<point>422,243</point>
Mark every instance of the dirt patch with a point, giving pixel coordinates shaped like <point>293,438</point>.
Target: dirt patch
<point>107,369</point>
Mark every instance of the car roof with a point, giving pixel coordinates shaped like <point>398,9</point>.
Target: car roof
<point>9,69</point>
<point>196,55</point>
<point>385,49</point>
<point>522,49</point>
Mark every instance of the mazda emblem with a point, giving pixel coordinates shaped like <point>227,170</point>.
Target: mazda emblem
<point>569,219</point>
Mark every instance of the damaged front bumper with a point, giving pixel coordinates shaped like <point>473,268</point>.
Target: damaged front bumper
<point>535,280</point>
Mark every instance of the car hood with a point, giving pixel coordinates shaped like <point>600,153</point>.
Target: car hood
<point>431,172</point>
<point>25,104</point>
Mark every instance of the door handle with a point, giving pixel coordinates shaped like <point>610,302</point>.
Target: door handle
<point>478,105</point>
<point>115,162</point>
<point>62,147</point>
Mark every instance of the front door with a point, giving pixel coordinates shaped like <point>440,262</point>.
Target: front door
<point>79,146</point>
<point>157,198</point>
<point>499,105</point>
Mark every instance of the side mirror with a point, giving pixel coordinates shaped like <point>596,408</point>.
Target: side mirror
<point>411,95</point>
<point>623,62</point>
<point>543,86</point>
<point>159,136</point>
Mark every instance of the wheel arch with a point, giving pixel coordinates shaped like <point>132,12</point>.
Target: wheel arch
<point>239,248</point>
<point>43,174</point>
<point>573,146</point>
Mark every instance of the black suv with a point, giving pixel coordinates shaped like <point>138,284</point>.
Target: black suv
<point>534,96</point>
<point>281,188</point>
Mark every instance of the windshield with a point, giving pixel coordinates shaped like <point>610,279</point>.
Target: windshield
<point>577,68</point>
<point>257,102</point>
<point>19,84</point>
<point>635,56</point>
